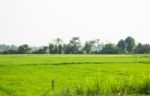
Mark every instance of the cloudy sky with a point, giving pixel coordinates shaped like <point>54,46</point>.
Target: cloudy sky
<point>37,22</point>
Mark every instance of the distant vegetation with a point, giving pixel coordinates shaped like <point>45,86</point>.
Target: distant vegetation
<point>127,46</point>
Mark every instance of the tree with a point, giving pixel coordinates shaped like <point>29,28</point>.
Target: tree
<point>10,51</point>
<point>109,49</point>
<point>51,48</point>
<point>60,49</point>
<point>98,45</point>
<point>43,50</point>
<point>67,49</point>
<point>88,46</point>
<point>142,48</point>
<point>129,44</point>
<point>146,48</point>
<point>56,47</point>
<point>121,46</point>
<point>75,45</point>
<point>24,49</point>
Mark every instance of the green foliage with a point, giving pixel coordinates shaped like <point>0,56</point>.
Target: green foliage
<point>121,46</point>
<point>6,49</point>
<point>130,44</point>
<point>109,49</point>
<point>89,46</point>
<point>24,49</point>
<point>142,48</point>
<point>51,48</point>
<point>43,50</point>
<point>75,47</point>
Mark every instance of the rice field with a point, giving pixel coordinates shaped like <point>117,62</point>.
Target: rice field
<point>74,75</point>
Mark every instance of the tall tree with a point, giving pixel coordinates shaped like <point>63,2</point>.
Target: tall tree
<point>57,46</point>
<point>75,45</point>
<point>89,46</point>
<point>60,49</point>
<point>24,49</point>
<point>121,46</point>
<point>51,48</point>
<point>129,44</point>
<point>99,47</point>
<point>45,50</point>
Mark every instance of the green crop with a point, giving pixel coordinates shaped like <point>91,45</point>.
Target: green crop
<point>74,75</point>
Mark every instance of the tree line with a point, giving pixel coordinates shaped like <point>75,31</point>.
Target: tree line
<point>127,46</point>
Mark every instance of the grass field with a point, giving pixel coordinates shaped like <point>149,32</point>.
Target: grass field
<point>74,75</point>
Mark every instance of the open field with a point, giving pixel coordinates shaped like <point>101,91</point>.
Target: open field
<point>74,75</point>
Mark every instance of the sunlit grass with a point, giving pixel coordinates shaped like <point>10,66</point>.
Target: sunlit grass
<point>31,75</point>
<point>111,85</point>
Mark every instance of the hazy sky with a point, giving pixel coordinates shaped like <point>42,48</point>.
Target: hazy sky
<point>37,22</point>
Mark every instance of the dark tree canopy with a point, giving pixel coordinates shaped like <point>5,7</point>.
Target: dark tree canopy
<point>76,47</point>
<point>88,46</point>
<point>24,49</point>
<point>43,50</point>
<point>109,49</point>
<point>129,44</point>
<point>121,46</point>
<point>142,48</point>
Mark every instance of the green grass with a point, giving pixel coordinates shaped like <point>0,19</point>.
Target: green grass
<point>74,75</point>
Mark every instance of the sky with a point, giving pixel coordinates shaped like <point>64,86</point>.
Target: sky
<point>38,22</point>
